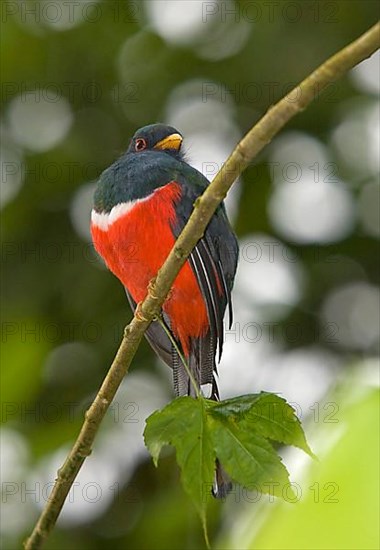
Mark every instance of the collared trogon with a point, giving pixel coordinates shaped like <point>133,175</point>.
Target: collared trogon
<point>141,204</point>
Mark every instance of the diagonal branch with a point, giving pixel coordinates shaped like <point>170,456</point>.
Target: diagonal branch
<point>256,139</point>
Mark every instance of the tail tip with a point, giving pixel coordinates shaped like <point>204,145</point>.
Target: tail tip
<point>222,483</point>
<point>221,490</point>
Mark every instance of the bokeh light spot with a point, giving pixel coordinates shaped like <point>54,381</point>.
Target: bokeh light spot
<point>354,309</point>
<point>269,274</point>
<point>39,120</point>
<point>80,210</point>
<point>366,75</point>
<point>356,139</point>
<point>180,22</point>
<point>309,212</point>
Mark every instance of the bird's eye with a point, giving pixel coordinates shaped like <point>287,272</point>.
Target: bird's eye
<point>140,144</point>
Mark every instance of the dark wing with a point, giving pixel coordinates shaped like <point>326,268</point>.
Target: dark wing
<point>214,262</point>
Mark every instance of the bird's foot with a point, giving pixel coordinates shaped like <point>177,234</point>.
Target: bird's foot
<point>151,288</point>
<point>139,314</point>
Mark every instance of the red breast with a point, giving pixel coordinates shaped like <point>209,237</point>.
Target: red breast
<point>134,240</point>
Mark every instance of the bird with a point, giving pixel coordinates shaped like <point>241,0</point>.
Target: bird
<point>141,204</point>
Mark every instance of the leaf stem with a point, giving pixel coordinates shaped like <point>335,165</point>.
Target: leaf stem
<point>181,356</point>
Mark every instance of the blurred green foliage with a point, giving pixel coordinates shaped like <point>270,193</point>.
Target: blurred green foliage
<point>331,515</point>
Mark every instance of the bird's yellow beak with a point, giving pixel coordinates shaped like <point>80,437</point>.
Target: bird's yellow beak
<point>170,142</point>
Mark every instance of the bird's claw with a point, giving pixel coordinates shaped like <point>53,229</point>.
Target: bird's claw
<point>139,313</point>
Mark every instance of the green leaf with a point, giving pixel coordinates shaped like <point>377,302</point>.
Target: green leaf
<point>247,457</point>
<point>342,500</point>
<point>238,432</point>
<point>266,414</point>
<point>236,407</point>
<point>183,424</point>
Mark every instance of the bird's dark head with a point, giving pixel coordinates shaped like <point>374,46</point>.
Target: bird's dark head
<point>156,137</point>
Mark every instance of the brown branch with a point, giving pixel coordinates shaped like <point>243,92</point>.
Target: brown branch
<point>256,139</point>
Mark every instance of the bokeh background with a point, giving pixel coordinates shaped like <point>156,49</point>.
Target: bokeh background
<point>78,78</point>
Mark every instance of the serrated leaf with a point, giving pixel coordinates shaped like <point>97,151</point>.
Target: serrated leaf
<point>235,407</point>
<point>236,431</point>
<point>183,424</point>
<point>162,426</point>
<point>266,414</point>
<point>275,419</point>
<point>247,457</point>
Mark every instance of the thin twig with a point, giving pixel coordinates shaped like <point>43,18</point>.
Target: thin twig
<point>256,139</point>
